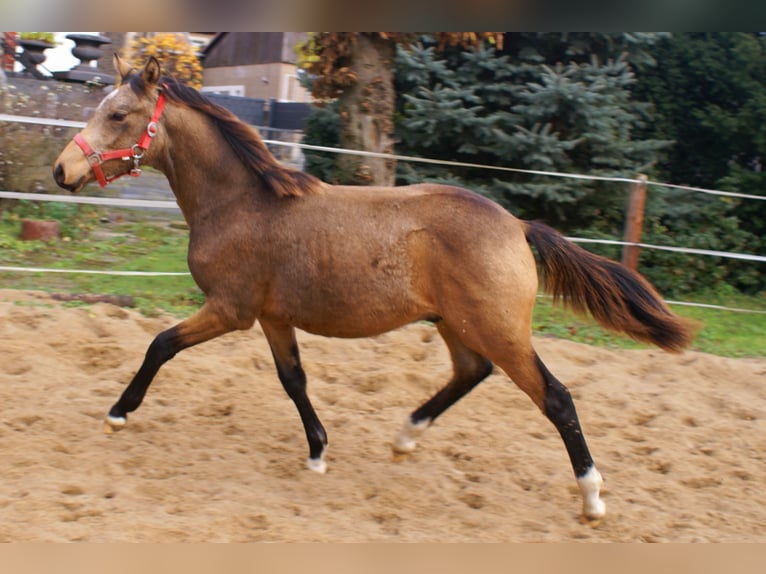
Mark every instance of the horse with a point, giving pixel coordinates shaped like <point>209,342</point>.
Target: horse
<point>276,245</point>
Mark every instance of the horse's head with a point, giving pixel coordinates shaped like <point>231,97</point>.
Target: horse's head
<point>118,134</point>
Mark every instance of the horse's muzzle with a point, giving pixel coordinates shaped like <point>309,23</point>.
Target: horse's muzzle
<point>60,177</point>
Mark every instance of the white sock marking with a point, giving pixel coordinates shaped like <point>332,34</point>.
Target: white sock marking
<point>405,441</point>
<point>114,424</point>
<point>590,485</point>
<point>317,464</point>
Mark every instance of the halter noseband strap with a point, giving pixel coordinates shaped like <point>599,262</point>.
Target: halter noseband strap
<point>136,152</point>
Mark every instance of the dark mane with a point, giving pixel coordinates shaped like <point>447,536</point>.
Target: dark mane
<point>244,141</point>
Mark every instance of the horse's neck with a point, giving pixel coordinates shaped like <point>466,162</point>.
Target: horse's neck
<point>199,165</point>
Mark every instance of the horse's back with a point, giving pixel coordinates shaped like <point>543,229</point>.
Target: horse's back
<point>453,212</point>
<point>454,221</point>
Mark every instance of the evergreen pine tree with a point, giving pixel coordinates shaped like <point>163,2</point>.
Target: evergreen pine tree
<point>522,110</point>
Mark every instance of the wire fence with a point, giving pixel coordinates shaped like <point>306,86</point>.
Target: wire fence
<point>158,204</point>
<point>302,146</point>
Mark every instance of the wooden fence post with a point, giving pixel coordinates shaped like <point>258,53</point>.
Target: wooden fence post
<point>634,222</point>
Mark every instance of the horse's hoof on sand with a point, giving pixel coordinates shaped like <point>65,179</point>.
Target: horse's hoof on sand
<point>397,456</point>
<point>594,510</point>
<point>594,514</point>
<point>114,424</point>
<point>403,446</point>
<point>592,522</point>
<point>316,465</point>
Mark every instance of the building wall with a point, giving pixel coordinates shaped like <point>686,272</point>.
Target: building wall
<point>254,65</point>
<point>275,80</point>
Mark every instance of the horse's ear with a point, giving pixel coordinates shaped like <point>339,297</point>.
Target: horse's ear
<point>152,72</point>
<point>122,67</point>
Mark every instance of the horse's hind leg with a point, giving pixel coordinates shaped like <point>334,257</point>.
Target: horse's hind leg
<point>284,348</point>
<point>555,401</point>
<point>202,326</point>
<point>470,368</point>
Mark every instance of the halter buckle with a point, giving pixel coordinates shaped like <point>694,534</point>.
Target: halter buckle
<point>94,159</point>
<point>138,152</point>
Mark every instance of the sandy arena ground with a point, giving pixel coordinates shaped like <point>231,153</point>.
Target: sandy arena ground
<point>216,452</point>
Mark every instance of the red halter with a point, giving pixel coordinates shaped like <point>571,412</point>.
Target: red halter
<point>136,152</point>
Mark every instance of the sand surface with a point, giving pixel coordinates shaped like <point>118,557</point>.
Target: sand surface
<point>216,452</point>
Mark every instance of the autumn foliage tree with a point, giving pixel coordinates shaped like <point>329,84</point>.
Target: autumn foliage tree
<point>176,54</point>
<point>357,70</point>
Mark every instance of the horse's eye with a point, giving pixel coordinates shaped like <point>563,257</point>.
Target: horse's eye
<point>117,116</point>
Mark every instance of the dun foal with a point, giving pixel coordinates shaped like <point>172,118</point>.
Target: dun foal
<point>276,245</point>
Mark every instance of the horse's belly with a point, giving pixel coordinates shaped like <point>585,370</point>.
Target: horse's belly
<point>355,284</point>
<point>348,308</point>
<point>352,329</point>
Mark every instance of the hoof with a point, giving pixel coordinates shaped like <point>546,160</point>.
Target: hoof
<point>114,424</point>
<point>316,465</point>
<point>592,522</point>
<point>594,511</point>
<point>403,446</point>
<point>399,456</point>
<point>405,441</point>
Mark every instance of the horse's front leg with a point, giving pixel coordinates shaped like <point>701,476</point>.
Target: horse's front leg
<point>284,348</point>
<point>204,325</point>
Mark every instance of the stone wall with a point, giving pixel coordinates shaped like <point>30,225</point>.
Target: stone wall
<point>27,151</point>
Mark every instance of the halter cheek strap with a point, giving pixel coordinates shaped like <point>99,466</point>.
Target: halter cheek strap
<point>136,152</point>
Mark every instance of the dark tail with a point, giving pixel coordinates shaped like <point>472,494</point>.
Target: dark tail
<point>618,298</point>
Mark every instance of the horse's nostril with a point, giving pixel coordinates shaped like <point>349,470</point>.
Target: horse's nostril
<point>58,174</point>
